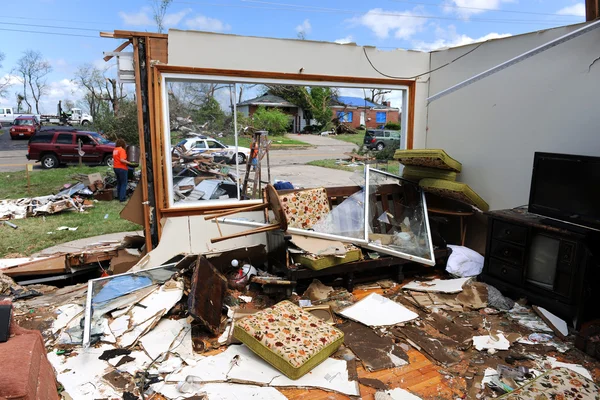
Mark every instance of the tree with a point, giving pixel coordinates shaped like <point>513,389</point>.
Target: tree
<point>314,101</point>
<point>5,82</point>
<point>378,95</point>
<point>273,120</point>
<point>92,80</point>
<point>20,99</point>
<point>210,111</point>
<point>33,70</point>
<point>159,7</point>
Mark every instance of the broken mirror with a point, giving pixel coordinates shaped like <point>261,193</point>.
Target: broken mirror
<point>202,136</point>
<point>397,220</point>
<point>122,296</point>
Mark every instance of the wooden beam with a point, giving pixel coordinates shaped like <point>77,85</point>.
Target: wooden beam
<point>118,50</point>
<point>119,34</point>
<point>592,10</point>
<point>47,266</point>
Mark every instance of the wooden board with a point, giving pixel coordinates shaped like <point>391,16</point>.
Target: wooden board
<point>206,297</point>
<point>439,349</point>
<point>48,266</point>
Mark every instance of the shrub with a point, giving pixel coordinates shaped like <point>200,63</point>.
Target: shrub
<point>124,126</point>
<point>387,153</point>
<point>392,126</point>
<point>273,120</point>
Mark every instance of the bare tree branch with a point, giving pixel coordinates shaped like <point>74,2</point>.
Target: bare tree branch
<point>33,69</point>
<point>160,9</point>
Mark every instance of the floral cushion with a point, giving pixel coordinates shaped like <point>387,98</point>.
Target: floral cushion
<point>289,338</point>
<point>304,208</point>
<point>432,158</point>
<point>555,384</point>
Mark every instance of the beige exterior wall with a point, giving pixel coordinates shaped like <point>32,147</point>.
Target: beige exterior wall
<point>493,126</point>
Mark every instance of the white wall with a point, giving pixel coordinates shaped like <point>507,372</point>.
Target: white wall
<point>546,103</point>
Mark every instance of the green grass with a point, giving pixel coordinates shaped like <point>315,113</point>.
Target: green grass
<point>390,166</point>
<point>356,139</point>
<point>32,234</point>
<point>278,141</point>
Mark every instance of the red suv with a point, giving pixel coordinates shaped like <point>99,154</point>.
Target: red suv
<point>24,126</point>
<point>56,146</point>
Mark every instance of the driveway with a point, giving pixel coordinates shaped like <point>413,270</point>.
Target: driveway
<point>323,148</point>
<point>12,153</point>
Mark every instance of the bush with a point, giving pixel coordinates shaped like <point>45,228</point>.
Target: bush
<point>392,126</point>
<point>387,153</point>
<point>273,120</point>
<point>124,126</point>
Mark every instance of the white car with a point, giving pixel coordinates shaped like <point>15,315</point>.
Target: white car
<point>203,144</point>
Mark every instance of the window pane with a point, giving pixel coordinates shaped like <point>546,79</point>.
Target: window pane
<point>381,117</point>
<point>65,138</point>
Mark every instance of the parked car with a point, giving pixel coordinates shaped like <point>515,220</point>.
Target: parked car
<point>55,146</point>
<point>379,139</point>
<point>8,115</point>
<point>24,127</point>
<point>204,144</point>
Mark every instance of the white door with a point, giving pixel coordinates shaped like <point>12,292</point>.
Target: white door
<point>362,117</point>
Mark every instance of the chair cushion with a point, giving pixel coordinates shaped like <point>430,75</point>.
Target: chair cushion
<point>304,208</point>
<point>557,383</point>
<point>414,173</point>
<point>316,262</point>
<point>432,158</point>
<point>454,190</point>
<point>289,338</point>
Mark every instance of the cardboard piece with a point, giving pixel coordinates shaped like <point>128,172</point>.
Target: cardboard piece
<point>376,310</point>
<point>134,210</point>
<point>438,285</point>
<point>123,262</point>
<point>90,180</point>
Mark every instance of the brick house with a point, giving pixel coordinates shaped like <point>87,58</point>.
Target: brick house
<point>249,107</point>
<point>354,112</point>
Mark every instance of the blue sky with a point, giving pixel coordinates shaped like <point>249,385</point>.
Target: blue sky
<point>408,24</point>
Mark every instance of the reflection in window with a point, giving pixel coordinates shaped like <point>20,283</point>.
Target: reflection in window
<point>397,218</point>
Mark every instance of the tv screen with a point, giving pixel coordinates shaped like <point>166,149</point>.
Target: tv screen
<point>566,187</point>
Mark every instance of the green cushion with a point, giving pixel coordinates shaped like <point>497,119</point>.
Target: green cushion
<point>432,158</point>
<point>316,263</point>
<point>289,338</point>
<point>415,173</point>
<point>454,190</point>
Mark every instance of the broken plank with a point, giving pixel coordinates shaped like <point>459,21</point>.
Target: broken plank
<point>436,348</point>
<point>445,326</point>
<point>89,257</point>
<point>46,266</point>
<point>206,297</point>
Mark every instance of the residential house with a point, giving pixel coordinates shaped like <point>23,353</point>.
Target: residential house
<point>355,112</point>
<point>249,107</point>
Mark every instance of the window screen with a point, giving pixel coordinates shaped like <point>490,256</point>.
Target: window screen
<point>65,138</point>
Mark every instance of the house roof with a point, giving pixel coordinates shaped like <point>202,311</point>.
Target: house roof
<point>355,102</point>
<point>267,100</point>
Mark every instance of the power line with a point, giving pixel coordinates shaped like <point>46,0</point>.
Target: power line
<point>50,33</point>
<point>52,26</point>
<point>54,20</point>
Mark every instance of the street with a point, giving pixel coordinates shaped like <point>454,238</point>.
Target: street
<point>12,153</point>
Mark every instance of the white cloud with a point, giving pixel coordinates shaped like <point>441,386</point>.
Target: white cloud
<point>175,18</point>
<point>450,38</point>
<point>345,40</point>
<point>576,9</point>
<point>63,89</point>
<point>202,23</point>
<point>304,27</point>
<point>473,7</point>
<point>402,24</point>
<point>140,18</point>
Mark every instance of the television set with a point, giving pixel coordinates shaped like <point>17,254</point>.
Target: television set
<point>566,188</point>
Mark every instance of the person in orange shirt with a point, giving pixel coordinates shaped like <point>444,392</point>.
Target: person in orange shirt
<point>120,164</point>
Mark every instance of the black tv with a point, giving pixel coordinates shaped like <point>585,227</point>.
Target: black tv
<point>566,187</point>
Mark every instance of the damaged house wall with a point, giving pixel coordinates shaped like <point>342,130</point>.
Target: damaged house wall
<point>232,52</point>
<point>494,125</point>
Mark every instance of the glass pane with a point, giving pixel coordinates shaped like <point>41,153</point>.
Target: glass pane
<point>397,216</point>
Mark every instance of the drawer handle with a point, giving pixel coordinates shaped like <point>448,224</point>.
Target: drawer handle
<point>504,271</point>
<point>506,252</point>
<point>507,232</point>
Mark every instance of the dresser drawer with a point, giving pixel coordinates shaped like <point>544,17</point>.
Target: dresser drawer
<point>506,272</point>
<point>508,252</point>
<point>509,232</point>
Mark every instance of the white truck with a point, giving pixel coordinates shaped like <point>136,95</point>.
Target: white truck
<point>73,117</point>
<point>7,115</point>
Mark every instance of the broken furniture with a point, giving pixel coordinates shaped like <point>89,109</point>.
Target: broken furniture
<point>415,173</point>
<point>454,190</point>
<point>289,338</point>
<point>549,265</point>
<point>26,372</point>
<point>557,383</point>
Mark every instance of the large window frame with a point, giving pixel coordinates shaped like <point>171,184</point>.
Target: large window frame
<point>178,73</point>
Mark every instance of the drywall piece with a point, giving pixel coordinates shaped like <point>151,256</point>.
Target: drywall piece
<point>119,325</point>
<point>65,314</point>
<point>525,317</point>
<point>161,300</point>
<point>331,374</point>
<point>107,335</point>
<point>317,291</point>
<point>559,326</point>
<point>135,361</point>
<point>438,285</point>
<point>207,369</point>
<point>474,295</point>
<point>376,310</point>
<point>573,367</point>
<point>208,290</point>
<point>218,391</point>
<point>375,352</point>
<point>81,374</point>
<point>131,337</point>
<point>319,247</point>
<point>396,394</point>
<point>447,327</point>
<point>182,346</point>
<point>487,342</point>
<point>159,340</point>
<point>440,349</point>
